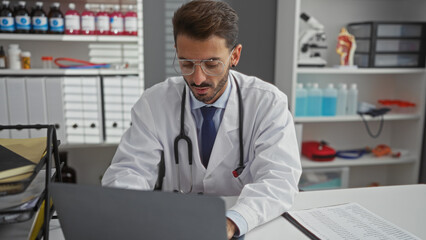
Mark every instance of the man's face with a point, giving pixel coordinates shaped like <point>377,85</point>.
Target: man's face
<point>205,88</point>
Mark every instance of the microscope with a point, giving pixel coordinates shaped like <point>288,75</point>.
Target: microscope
<point>311,44</point>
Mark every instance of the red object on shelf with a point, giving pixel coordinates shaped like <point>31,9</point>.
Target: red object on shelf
<point>131,22</point>
<point>318,151</point>
<point>87,21</point>
<point>72,21</point>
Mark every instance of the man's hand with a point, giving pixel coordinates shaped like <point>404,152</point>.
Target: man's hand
<point>230,228</point>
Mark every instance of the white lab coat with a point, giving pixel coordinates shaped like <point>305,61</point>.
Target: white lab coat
<point>266,187</point>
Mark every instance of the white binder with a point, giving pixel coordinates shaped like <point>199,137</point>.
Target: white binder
<point>17,105</point>
<point>36,99</point>
<point>4,112</point>
<point>55,106</point>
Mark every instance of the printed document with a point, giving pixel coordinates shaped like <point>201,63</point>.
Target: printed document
<point>346,221</point>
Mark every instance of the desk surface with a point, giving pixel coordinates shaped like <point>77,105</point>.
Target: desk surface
<point>404,206</point>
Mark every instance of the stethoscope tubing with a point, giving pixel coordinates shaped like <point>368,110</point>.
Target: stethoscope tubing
<point>187,140</point>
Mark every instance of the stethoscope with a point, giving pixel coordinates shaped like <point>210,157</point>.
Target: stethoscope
<point>184,137</point>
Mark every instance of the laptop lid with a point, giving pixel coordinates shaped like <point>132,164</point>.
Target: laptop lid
<point>94,212</point>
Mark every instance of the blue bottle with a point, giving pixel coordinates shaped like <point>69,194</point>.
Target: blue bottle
<point>39,19</point>
<point>329,101</point>
<point>22,18</point>
<point>301,101</point>
<point>314,101</point>
<point>7,20</point>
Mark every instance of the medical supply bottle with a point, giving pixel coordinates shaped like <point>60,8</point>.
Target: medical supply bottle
<point>2,58</point>
<point>102,21</point>
<point>72,20</point>
<point>14,57</point>
<point>352,106</point>
<point>329,100</point>
<point>342,96</point>
<point>314,100</point>
<point>301,100</point>
<point>117,21</point>
<point>131,22</point>
<point>56,19</point>
<point>26,60</point>
<point>7,20</point>
<point>22,18</point>
<point>39,19</point>
<point>87,21</point>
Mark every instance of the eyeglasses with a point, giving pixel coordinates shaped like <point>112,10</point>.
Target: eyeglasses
<point>211,67</point>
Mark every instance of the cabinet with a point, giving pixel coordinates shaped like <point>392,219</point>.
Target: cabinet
<point>74,99</point>
<point>401,131</point>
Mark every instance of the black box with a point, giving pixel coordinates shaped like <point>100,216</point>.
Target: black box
<point>389,44</point>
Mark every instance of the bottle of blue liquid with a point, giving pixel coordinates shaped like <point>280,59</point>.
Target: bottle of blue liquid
<point>329,101</point>
<point>39,19</point>
<point>301,101</point>
<point>314,101</point>
<point>342,96</point>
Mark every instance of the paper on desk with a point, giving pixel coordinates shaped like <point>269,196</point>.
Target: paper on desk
<point>348,221</point>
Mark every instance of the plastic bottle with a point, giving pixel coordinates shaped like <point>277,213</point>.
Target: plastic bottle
<point>102,21</point>
<point>72,20</point>
<point>352,106</point>
<point>26,60</point>
<point>314,100</point>
<point>47,62</point>
<point>329,100</point>
<point>117,21</point>
<point>7,20</point>
<point>2,58</point>
<point>87,21</point>
<point>22,18</point>
<point>56,19</point>
<point>131,22</point>
<point>301,101</point>
<point>39,19</point>
<point>342,96</point>
<point>14,56</point>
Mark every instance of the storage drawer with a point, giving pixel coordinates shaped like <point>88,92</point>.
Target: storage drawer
<point>324,178</point>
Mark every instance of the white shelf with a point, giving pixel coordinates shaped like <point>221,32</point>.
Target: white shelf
<point>361,71</point>
<point>356,118</point>
<point>68,72</point>
<point>368,160</point>
<point>67,38</point>
<point>69,146</point>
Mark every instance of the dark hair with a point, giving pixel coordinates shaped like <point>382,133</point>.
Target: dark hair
<point>201,19</point>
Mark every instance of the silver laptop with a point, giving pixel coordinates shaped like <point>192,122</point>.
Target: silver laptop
<point>94,212</point>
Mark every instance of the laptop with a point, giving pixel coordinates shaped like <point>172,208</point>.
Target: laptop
<point>94,212</point>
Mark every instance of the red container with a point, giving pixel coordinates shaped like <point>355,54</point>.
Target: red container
<point>102,22</point>
<point>131,22</point>
<point>117,21</point>
<point>72,20</point>
<point>88,21</point>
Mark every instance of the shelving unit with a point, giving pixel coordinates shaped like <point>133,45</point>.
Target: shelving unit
<point>85,93</point>
<point>400,131</point>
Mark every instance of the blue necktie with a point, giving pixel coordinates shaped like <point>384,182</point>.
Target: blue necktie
<point>208,134</point>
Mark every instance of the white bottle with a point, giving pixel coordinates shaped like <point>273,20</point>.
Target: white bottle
<point>342,96</point>
<point>329,100</point>
<point>352,104</point>
<point>301,101</point>
<point>314,100</point>
<point>14,56</point>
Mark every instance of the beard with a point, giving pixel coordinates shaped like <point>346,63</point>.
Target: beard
<point>208,97</point>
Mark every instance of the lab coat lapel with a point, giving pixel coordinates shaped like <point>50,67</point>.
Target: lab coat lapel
<point>227,135</point>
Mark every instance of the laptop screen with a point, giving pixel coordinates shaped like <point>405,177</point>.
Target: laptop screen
<point>94,212</point>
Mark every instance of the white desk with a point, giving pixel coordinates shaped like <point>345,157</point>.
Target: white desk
<point>404,206</point>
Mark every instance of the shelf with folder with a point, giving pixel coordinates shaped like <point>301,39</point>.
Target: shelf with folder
<point>357,118</point>
<point>21,199</point>
<point>68,72</point>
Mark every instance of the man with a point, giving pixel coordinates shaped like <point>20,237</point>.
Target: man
<point>265,179</point>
